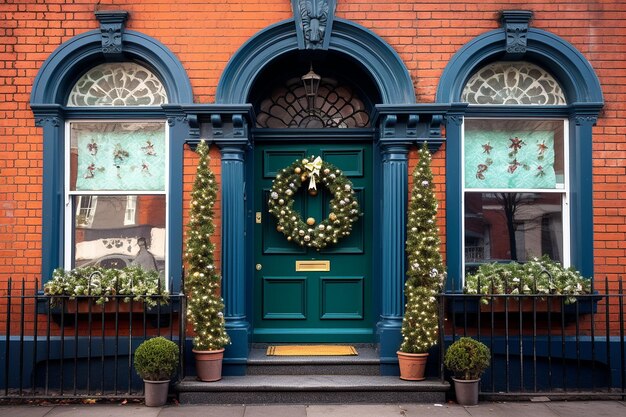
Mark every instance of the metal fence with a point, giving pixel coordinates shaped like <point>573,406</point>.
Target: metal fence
<point>62,347</point>
<point>544,345</point>
<point>75,347</point>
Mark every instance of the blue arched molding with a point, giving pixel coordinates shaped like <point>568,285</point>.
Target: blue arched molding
<point>364,46</point>
<point>48,98</point>
<point>585,100</point>
<point>397,104</point>
<point>59,72</point>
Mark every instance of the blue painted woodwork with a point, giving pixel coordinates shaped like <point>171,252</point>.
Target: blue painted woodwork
<point>112,28</point>
<point>585,100</point>
<point>48,97</point>
<point>394,193</point>
<point>233,253</point>
<point>369,50</point>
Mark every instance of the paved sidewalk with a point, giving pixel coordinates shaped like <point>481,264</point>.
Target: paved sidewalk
<point>484,409</point>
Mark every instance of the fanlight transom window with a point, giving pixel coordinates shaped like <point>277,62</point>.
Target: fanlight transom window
<point>513,83</point>
<point>336,106</point>
<point>118,84</point>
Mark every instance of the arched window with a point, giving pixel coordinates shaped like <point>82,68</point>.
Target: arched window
<point>117,182</point>
<point>513,83</point>
<point>118,84</point>
<point>335,105</point>
<point>112,133</point>
<point>518,149</point>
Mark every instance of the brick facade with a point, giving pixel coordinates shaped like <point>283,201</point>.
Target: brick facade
<point>205,34</point>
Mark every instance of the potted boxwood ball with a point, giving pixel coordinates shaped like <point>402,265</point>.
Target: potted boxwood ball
<point>467,359</point>
<point>156,361</point>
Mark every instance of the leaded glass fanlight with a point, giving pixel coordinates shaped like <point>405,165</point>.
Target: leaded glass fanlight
<point>335,106</point>
<point>513,83</point>
<point>118,84</point>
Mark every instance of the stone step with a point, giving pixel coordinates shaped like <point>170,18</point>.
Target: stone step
<point>310,389</point>
<point>366,362</point>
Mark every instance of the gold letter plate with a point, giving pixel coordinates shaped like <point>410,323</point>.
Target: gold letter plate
<point>304,266</point>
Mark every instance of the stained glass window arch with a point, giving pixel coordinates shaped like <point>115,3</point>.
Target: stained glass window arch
<point>336,106</point>
<point>513,83</point>
<point>118,84</point>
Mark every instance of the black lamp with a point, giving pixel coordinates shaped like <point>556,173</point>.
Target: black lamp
<point>311,83</point>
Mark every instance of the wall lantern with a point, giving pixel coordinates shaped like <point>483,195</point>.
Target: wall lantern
<point>311,83</point>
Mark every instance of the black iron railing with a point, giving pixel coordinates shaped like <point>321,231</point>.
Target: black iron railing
<point>62,347</point>
<point>75,347</point>
<point>544,344</point>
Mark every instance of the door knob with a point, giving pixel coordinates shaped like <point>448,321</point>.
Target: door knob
<point>259,267</point>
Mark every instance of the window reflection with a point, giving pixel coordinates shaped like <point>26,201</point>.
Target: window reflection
<point>505,226</point>
<point>119,231</point>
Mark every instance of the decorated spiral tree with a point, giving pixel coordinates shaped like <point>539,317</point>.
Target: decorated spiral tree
<point>205,308</point>
<point>344,208</point>
<point>425,270</point>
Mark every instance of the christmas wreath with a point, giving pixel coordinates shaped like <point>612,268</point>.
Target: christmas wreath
<point>344,206</point>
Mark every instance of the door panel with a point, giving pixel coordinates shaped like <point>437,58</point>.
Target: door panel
<point>302,305</point>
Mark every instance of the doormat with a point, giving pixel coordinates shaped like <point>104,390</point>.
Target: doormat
<point>311,350</point>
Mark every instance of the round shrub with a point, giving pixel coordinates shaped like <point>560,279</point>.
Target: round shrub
<point>156,359</point>
<point>467,358</point>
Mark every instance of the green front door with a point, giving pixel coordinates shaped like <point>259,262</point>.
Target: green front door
<point>295,304</point>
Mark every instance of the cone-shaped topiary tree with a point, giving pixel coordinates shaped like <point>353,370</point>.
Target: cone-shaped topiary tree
<point>205,304</point>
<point>425,270</point>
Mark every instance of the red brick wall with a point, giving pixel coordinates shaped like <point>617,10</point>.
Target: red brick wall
<point>204,34</point>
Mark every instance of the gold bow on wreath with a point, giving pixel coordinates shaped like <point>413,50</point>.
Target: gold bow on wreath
<point>314,168</point>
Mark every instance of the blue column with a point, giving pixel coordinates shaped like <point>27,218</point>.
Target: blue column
<point>52,246</point>
<point>581,193</point>
<point>454,215</point>
<point>394,203</point>
<point>234,256</point>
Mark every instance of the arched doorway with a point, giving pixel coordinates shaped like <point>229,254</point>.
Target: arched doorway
<point>357,58</point>
<point>302,294</point>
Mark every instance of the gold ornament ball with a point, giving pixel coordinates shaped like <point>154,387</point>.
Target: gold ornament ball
<point>280,228</point>
<point>303,177</point>
<point>297,170</point>
<point>332,217</point>
<point>313,192</point>
<point>310,221</point>
<point>326,171</point>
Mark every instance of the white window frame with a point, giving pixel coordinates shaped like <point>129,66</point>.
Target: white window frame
<point>89,211</point>
<point>565,192</point>
<point>130,211</point>
<point>68,194</point>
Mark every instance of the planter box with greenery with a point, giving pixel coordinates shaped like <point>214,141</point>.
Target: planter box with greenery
<point>156,361</point>
<point>467,359</point>
<point>103,285</point>
<point>555,289</point>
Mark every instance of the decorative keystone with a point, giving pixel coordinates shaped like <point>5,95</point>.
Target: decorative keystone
<point>314,21</point>
<point>112,29</point>
<point>515,24</point>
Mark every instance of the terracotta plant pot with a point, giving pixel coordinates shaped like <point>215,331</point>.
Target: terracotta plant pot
<point>155,392</point>
<point>209,364</point>
<point>466,391</point>
<point>412,365</point>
